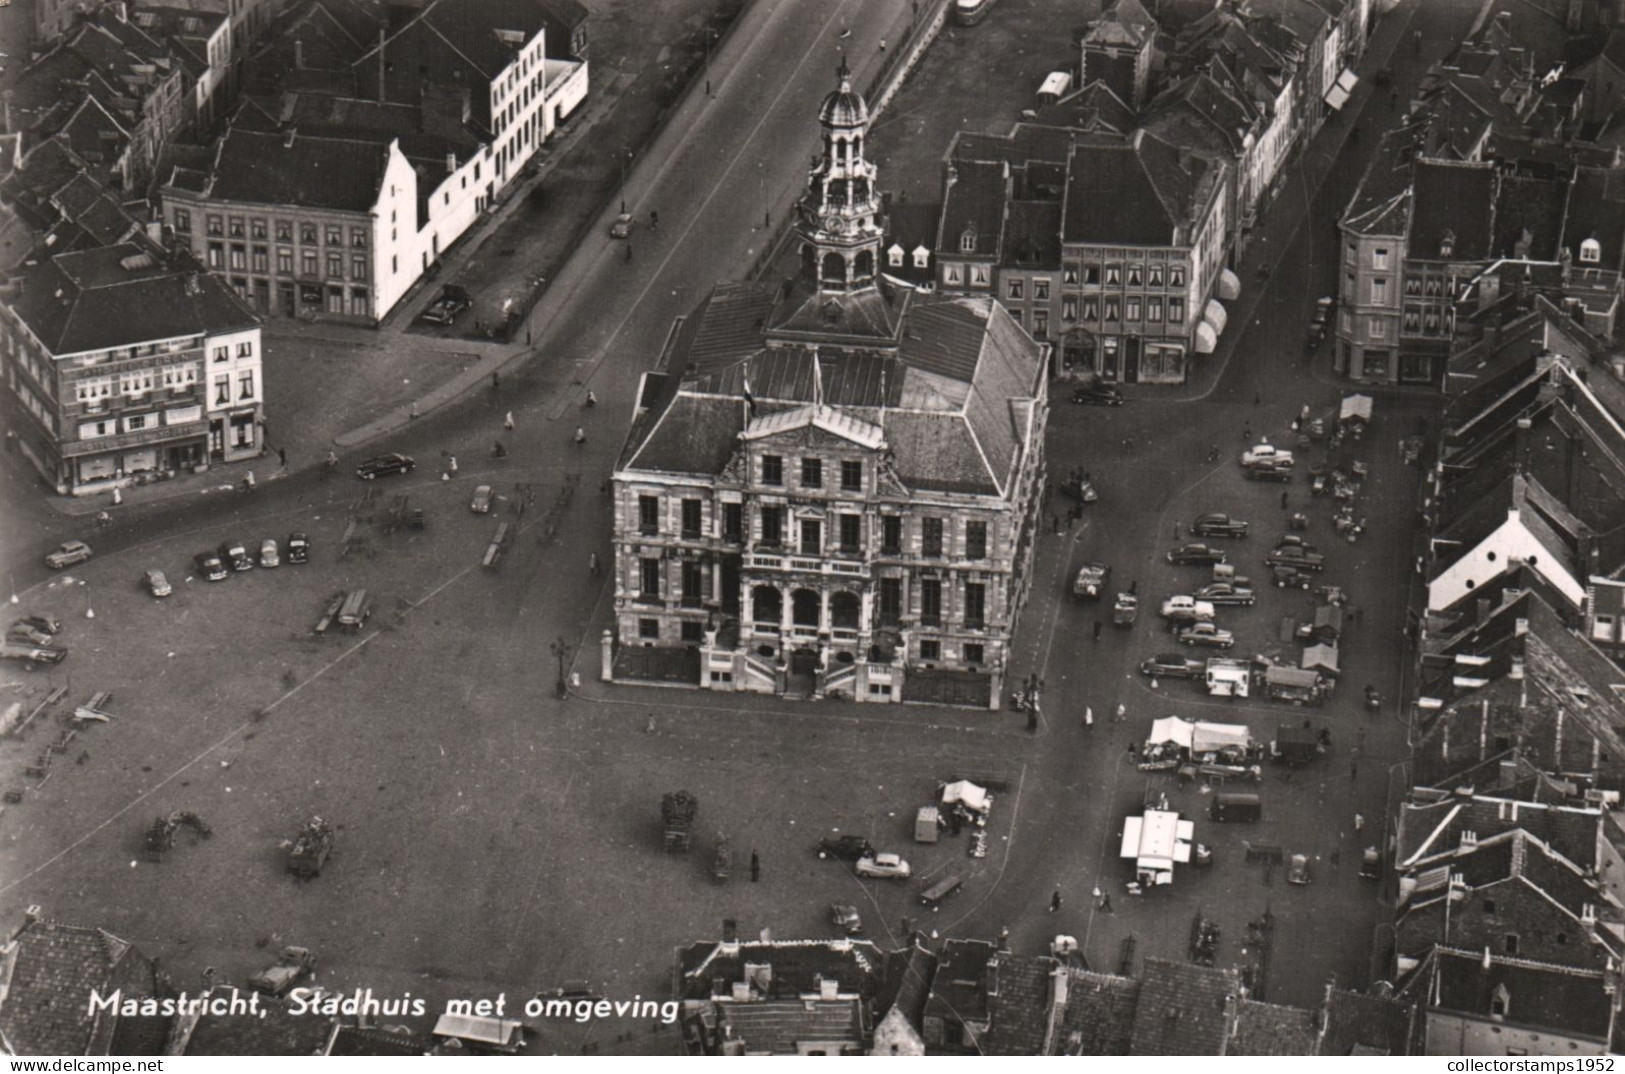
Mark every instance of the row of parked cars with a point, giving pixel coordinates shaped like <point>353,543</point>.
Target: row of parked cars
<point>32,640</point>
<point>233,555</point>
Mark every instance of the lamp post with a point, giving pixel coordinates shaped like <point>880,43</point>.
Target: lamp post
<point>625,155</point>
<point>559,650</point>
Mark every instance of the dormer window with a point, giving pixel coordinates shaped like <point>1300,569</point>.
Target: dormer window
<point>1590,252</point>
<point>894,256</point>
<point>1447,243</point>
<point>922,257</point>
<point>1500,1002</point>
<point>967,241</point>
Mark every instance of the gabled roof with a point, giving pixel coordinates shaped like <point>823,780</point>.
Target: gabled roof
<point>1099,1017</point>
<point>973,210</point>
<point>1431,826</point>
<point>49,971</point>
<point>1596,210</point>
<point>1184,1009</point>
<point>1454,201</point>
<point>274,169</point>
<point>1538,995</point>
<point>1140,192</point>
<point>1202,107</point>
<point>794,967</point>
<point>1271,1029</point>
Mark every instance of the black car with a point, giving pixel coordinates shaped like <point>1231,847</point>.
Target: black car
<point>1218,525</point>
<point>1172,666</point>
<point>451,301</point>
<point>42,622</point>
<point>235,555</point>
<point>209,565</point>
<point>1297,559</point>
<point>1098,395</point>
<point>383,465</point>
<point>1269,473</point>
<point>1196,553</point>
<point>845,847</point>
<point>298,548</point>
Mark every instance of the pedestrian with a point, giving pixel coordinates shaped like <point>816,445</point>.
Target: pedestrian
<point>1106,903</point>
<point>581,436</point>
<point>628,253</point>
<point>118,497</point>
<point>755,867</point>
<point>282,457</point>
<point>1055,901</point>
<point>1359,822</point>
<point>451,465</point>
<point>594,565</point>
<point>882,44</point>
<point>507,420</point>
<point>1088,718</point>
<point>1283,499</point>
<point>1132,753</point>
<point>1354,768</point>
<point>654,219</point>
<point>1122,712</point>
<point>1097,629</point>
<point>496,378</point>
<point>527,337</point>
<point>413,413</point>
<point>1098,894</point>
<point>1176,529</point>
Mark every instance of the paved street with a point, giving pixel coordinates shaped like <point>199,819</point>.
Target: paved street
<point>492,837</point>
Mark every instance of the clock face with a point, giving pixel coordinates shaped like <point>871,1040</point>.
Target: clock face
<point>835,224</point>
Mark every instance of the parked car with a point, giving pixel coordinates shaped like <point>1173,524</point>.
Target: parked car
<point>67,554</point>
<point>21,631</point>
<point>269,557</point>
<point>298,548</point>
<point>845,847</point>
<point>1207,635</point>
<point>384,465</point>
<point>1184,609</point>
<point>884,866</point>
<point>1285,577</point>
<point>1218,525</point>
<point>43,622</point>
<point>1266,454</point>
<point>1295,540</point>
<point>622,227</point>
<point>210,566</point>
<point>1226,593</point>
<point>1098,395</point>
<point>1172,666</point>
<point>32,656</point>
<point>1325,307</point>
<point>1296,558</point>
<point>234,554</point>
<point>1090,583</point>
<point>481,503</point>
<point>1297,869</point>
<point>451,301</point>
<point>1197,553</point>
<point>1282,474</point>
<point>157,584</point>
<point>293,965</point>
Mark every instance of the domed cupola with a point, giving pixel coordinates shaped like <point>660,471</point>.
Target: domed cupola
<point>839,213</point>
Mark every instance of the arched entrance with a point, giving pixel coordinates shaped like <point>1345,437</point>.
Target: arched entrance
<point>766,606</point>
<point>844,610</point>
<point>806,610</point>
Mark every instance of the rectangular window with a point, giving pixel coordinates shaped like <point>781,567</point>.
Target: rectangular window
<point>1176,311</point>
<point>691,518</point>
<point>335,267</point>
<point>307,262</point>
<point>1041,290</point>
<point>245,384</point>
<point>891,535</point>
<point>239,256</point>
<point>358,267</point>
<point>262,260</point>
<point>812,537</point>
<point>358,302</point>
<point>358,236</point>
<point>222,391</point>
<point>222,354</point>
<point>1156,275</point>
<point>931,537</point>
<point>812,473</point>
<point>1113,311</point>
<point>930,602</point>
<point>1015,288</point>
<point>851,475</point>
<point>773,526</point>
<point>1132,307</point>
<point>1091,274</point>
<point>256,228</point>
<point>1376,328</point>
<point>1153,310</point>
<point>235,227</point>
<point>648,515</point>
<point>284,231</point>
<point>1379,259</point>
<point>1069,308</point>
<point>216,225</point>
<point>973,654</point>
<point>335,235</point>
<point>1134,276</point>
<point>217,255</point>
<point>733,522</point>
<point>1602,628</point>
<point>693,583</point>
<point>1069,274</point>
<point>284,261</point>
<point>245,349</point>
<point>307,233</point>
<point>772,470</point>
<point>891,601</point>
<point>1176,275</point>
<point>851,533</point>
<point>135,421</point>
<point>1114,275</point>
<point>930,650</point>
<point>183,221</point>
<point>976,540</point>
<point>975,605</point>
<point>1379,292</point>
<point>649,578</point>
<point>1040,324</point>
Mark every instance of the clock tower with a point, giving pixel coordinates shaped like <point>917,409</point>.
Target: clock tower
<point>838,222</point>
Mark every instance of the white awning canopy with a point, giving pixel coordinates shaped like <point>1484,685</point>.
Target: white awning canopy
<point>1216,315</point>
<point>1338,95</point>
<point>1229,285</point>
<point>1206,338</point>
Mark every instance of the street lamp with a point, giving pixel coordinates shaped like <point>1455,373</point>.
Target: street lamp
<point>624,156</point>
<point>559,649</point>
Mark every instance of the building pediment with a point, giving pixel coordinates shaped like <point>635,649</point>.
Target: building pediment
<point>838,428</point>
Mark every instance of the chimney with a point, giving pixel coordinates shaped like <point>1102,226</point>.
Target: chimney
<point>451,162</point>
<point>1520,442</point>
<point>380,64</point>
<point>829,988</point>
<point>298,55</point>
<point>1059,980</point>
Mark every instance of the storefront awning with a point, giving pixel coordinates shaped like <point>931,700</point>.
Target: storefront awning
<point>1229,285</point>
<point>1338,95</point>
<point>1206,338</point>
<point>1216,315</point>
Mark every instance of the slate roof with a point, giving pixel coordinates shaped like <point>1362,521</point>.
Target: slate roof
<point>973,203</point>
<point>1032,234</point>
<point>55,968</point>
<point>1452,199</point>
<point>323,173</point>
<point>1532,205</point>
<point>959,991</point>
<point>275,1031</point>
<point>1184,1009</point>
<point>1094,108</point>
<point>1596,210</point>
<point>88,300</point>
<point>1137,193</point>
<point>1020,1005</point>
<point>1200,107</point>
<point>1542,996</point>
<point>776,1027</point>
<point>1271,1029</point>
<point>907,982</point>
<point>709,966</point>
<point>1365,1025</point>
<point>1430,828</point>
<point>1100,1011</point>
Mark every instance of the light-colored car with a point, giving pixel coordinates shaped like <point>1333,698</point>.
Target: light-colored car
<point>1266,455</point>
<point>1297,869</point>
<point>1206,634</point>
<point>481,503</point>
<point>23,633</point>
<point>622,227</point>
<point>1185,609</point>
<point>157,584</point>
<point>1091,581</point>
<point>67,554</point>
<point>883,866</point>
<point>269,556</point>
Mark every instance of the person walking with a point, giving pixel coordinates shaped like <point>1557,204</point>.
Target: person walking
<point>1097,629</point>
<point>118,497</point>
<point>282,457</point>
<point>596,570</point>
<point>507,420</point>
<point>755,867</point>
<point>581,436</point>
<point>1106,903</point>
<point>1122,712</point>
<point>1055,901</point>
<point>496,377</point>
<point>1098,895</point>
<point>451,465</point>
<point>1283,499</point>
<point>1359,822</point>
<point>1088,718</point>
<point>413,412</point>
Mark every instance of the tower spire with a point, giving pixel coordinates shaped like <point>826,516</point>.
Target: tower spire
<point>839,218</point>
